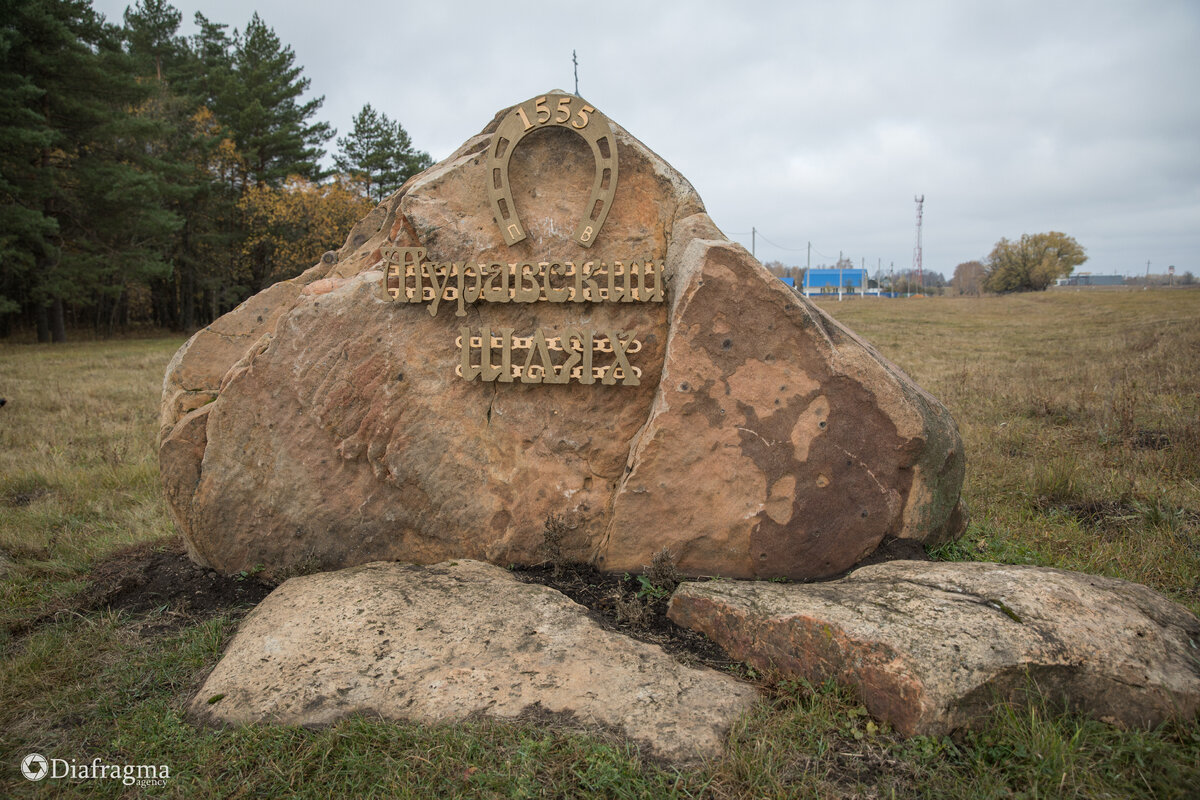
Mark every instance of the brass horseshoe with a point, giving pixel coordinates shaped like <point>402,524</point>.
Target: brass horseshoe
<point>566,111</point>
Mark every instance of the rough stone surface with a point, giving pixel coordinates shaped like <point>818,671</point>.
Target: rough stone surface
<point>453,640</point>
<point>930,646</point>
<point>317,424</point>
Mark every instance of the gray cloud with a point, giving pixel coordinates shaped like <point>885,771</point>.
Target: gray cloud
<point>820,121</point>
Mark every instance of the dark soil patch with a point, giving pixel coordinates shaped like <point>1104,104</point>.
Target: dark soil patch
<point>1115,519</point>
<point>621,603</point>
<point>159,575</point>
<point>156,577</point>
<point>1146,439</point>
<point>1089,512</point>
<point>625,603</point>
<point>1100,513</point>
<point>24,497</point>
<point>23,490</point>
<point>1103,516</point>
<point>893,550</point>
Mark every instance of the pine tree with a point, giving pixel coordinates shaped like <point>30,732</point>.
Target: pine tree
<point>379,153</point>
<point>150,33</point>
<point>78,188</point>
<point>186,139</point>
<point>27,232</point>
<point>208,69</point>
<point>262,108</point>
<point>215,226</point>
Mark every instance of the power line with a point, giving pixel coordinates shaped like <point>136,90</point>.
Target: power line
<point>779,246</point>
<point>757,234</point>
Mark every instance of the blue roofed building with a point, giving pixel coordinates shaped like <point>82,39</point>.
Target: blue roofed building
<point>835,281</point>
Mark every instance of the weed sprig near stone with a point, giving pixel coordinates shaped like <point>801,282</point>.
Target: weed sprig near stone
<point>1080,416</point>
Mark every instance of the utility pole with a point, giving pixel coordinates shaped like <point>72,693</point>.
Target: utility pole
<point>753,236</point>
<point>1147,274</point>
<point>920,201</point>
<point>807,269</point>
<point>575,61</point>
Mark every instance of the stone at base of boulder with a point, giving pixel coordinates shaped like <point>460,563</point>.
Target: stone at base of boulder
<point>931,647</point>
<point>453,640</point>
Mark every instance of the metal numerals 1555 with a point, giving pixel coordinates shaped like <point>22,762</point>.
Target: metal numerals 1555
<point>559,115</point>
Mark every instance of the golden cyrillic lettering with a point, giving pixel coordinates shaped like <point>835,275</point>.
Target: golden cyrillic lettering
<point>466,369</point>
<point>628,295</point>
<point>583,356</point>
<point>464,283</point>
<point>539,366</point>
<point>615,293</point>
<point>527,289</point>
<point>466,295</point>
<point>445,270</point>
<point>619,349</point>
<point>647,293</point>
<point>553,294</point>
<point>586,290</point>
<point>491,292</point>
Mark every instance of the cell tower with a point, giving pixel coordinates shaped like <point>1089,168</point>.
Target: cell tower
<point>920,201</point>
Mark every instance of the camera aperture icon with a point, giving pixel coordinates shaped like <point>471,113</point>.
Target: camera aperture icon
<point>35,767</point>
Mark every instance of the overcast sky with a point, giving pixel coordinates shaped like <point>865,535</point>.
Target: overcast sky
<point>817,122</point>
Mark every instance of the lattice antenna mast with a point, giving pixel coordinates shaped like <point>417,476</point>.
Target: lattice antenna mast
<point>575,61</point>
<point>920,201</point>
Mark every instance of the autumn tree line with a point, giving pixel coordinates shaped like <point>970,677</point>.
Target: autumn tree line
<point>152,178</point>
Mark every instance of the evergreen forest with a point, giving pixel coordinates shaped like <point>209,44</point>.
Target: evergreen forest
<point>152,179</point>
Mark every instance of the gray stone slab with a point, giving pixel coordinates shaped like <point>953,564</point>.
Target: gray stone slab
<point>454,640</point>
<point>931,646</point>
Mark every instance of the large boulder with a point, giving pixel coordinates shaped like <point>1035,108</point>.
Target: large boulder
<point>320,423</point>
<point>930,647</point>
<point>454,641</point>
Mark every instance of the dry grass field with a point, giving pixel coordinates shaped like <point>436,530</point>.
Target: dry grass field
<point>1080,412</point>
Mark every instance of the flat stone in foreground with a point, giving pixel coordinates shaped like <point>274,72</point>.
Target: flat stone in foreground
<point>930,646</point>
<point>452,640</point>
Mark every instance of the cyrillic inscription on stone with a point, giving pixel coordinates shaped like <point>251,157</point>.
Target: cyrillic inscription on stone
<point>572,355</point>
<point>407,275</point>
<point>585,357</point>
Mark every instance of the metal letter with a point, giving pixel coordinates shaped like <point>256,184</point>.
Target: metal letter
<point>619,360</point>
<point>469,372</point>
<point>526,291</point>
